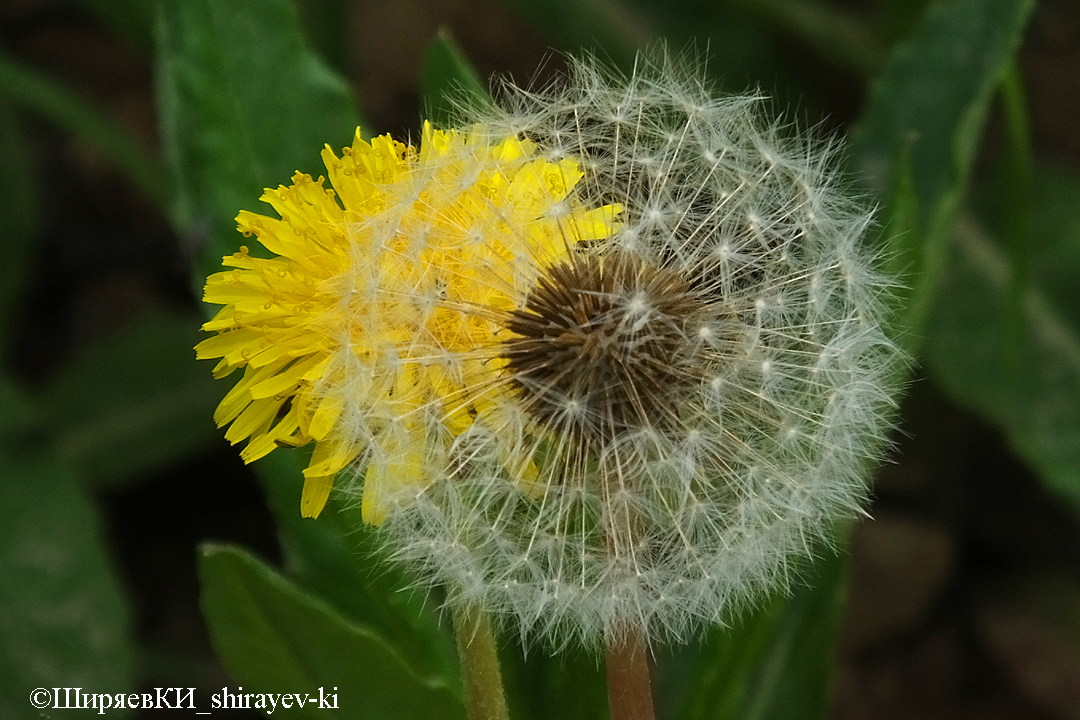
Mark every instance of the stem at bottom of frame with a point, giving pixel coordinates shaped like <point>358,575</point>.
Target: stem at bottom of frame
<point>628,680</point>
<point>480,674</point>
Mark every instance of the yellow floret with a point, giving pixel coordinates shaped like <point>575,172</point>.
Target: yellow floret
<point>382,300</point>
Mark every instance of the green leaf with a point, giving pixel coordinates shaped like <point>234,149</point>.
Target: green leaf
<point>900,230</point>
<point>339,558</point>
<point>275,638</point>
<point>448,80</point>
<point>929,105</point>
<point>773,664</point>
<point>1032,391</point>
<point>18,212</point>
<point>244,104</point>
<point>29,89</point>
<point>134,403</point>
<point>63,618</point>
<point>898,18</point>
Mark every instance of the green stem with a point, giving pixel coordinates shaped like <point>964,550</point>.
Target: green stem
<point>628,680</point>
<point>484,699</point>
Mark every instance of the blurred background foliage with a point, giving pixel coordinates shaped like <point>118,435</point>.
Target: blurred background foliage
<point>135,549</point>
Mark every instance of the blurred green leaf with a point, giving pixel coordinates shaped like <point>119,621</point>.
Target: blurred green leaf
<point>244,103</point>
<point>18,212</point>
<point>929,105</point>
<point>1033,392</point>
<point>29,89</point>
<point>898,18</point>
<point>1054,251</point>
<point>340,559</point>
<point>275,638</point>
<point>447,77</point>
<point>773,664</point>
<point>901,221</point>
<point>63,618</point>
<point>134,403</point>
<point>132,20</point>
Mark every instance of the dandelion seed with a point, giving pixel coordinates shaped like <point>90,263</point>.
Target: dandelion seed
<point>604,361</point>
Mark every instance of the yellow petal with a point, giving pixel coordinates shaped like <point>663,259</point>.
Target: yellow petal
<point>314,496</point>
<point>285,380</point>
<point>278,236</point>
<point>328,458</point>
<point>381,482</point>
<point>265,443</point>
<point>597,224</point>
<point>254,416</point>
<point>225,343</point>
<point>239,396</point>
<point>325,416</point>
<point>223,369</point>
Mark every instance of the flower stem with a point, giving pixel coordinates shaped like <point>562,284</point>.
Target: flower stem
<point>628,680</point>
<point>484,699</point>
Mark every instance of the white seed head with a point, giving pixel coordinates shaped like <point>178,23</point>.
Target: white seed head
<point>685,406</point>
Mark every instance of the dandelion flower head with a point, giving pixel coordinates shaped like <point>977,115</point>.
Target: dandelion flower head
<point>608,357</point>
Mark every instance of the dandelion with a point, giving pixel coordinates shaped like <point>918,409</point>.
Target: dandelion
<point>370,331</point>
<point>602,361</point>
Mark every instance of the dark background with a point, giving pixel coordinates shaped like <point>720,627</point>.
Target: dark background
<point>942,620</point>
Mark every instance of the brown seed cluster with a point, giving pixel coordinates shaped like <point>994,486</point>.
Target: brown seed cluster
<point>604,343</point>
